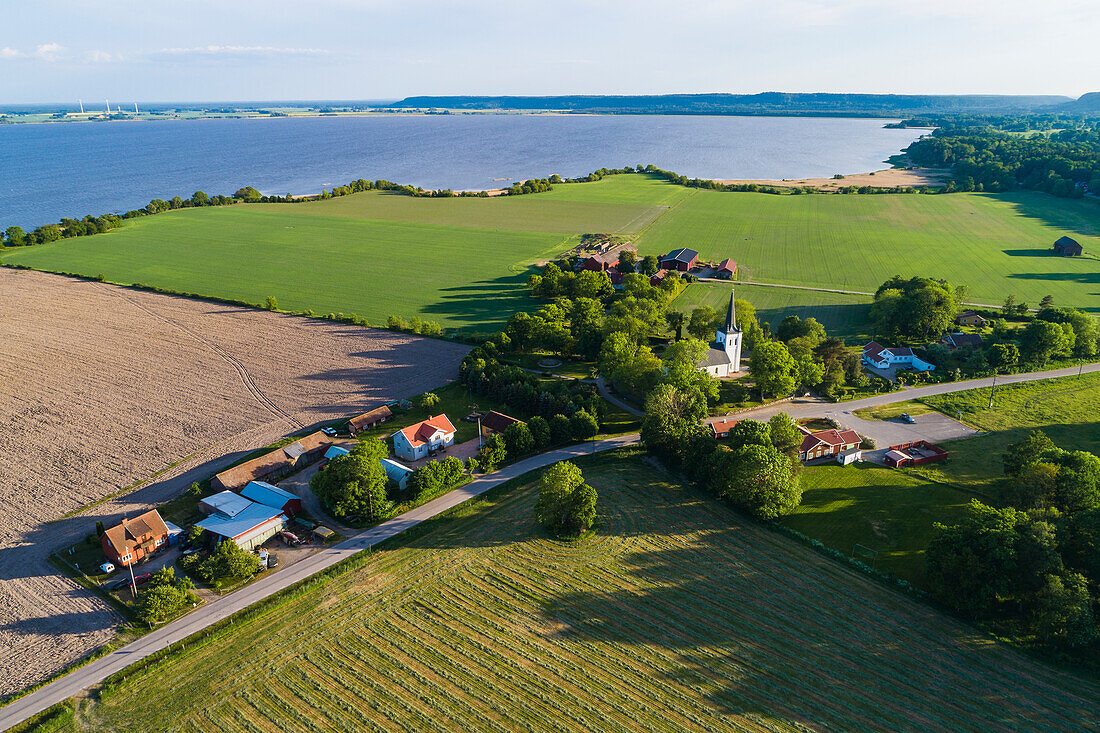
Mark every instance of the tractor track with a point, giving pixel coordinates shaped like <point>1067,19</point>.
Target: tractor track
<point>246,378</point>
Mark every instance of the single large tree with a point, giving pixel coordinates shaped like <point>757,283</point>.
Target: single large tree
<point>773,369</point>
<point>566,505</point>
<point>355,484</point>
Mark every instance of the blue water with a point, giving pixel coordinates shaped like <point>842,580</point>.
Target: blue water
<point>72,169</point>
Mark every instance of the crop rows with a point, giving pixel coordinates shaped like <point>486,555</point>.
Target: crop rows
<point>675,615</point>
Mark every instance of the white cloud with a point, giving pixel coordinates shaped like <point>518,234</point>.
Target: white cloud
<point>49,51</point>
<point>10,53</point>
<point>101,57</point>
<point>243,51</point>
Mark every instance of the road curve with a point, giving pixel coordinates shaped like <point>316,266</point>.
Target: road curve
<point>95,672</point>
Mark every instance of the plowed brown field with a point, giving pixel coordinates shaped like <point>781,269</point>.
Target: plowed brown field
<point>104,387</point>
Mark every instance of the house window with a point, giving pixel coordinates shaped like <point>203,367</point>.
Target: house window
<point>127,557</point>
<point>160,541</point>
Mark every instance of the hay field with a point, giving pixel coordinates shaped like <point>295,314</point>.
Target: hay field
<point>105,387</point>
<point>675,615</point>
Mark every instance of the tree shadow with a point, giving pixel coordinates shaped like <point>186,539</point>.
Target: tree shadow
<point>851,320</point>
<point>1071,215</point>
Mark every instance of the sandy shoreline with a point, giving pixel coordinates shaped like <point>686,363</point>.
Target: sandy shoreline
<point>887,178</point>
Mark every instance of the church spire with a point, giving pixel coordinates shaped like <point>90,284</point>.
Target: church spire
<point>731,316</point>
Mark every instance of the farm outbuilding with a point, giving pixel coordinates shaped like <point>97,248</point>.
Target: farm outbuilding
<point>275,464</point>
<point>726,269</point>
<point>1068,247</point>
<point>368,420</point>
<point>249,527</point>
<point>493,422</point>
<point>913,454</point>
<point>264,493</point>
<point>397,473</point>
<point>682,259</point>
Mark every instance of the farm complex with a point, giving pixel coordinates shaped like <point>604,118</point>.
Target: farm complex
<point>111,391</point>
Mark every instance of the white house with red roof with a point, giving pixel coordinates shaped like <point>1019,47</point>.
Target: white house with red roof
<point>825,443</point>
<point>881,357</point>
<point>424,438</point>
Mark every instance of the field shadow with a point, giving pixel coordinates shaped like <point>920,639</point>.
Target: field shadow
<point>851,320</point>
<point>485,304</point>
<point>1072,215</point>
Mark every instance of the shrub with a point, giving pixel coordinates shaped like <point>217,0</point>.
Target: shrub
<point>566,505</point>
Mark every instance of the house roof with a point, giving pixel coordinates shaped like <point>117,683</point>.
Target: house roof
<point>874,350</point>
<point>681,255</point>
<point>421,432</point>
<point>896,455</point>
<point>368,418</point>
<point>264,493</point>
<point>901,351</point>
<point>396,471</point>
<point>968,314</point>
<point>1063,241</point>
<point>248,519</point>
<point>830,437</point>
<point>498,421</point>
<point>660,274</point>
<point>965,339</point>
<point>126,535</point>
<point>727,264</point>
<point>723,426</point>
<point>335,451</point>
<point>270,462</point>
<point>226,503</point>
<point>730,325</point>
<point>715,357</point>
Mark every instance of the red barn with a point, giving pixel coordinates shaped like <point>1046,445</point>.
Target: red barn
<point>682,259</point>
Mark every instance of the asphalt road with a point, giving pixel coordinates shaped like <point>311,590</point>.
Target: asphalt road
<point>80,679</point>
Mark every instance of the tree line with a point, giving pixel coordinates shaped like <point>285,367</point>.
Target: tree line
<point>1031,566</point>
<point>1058,154</point>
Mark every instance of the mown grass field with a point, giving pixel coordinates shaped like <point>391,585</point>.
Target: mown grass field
<point>995,243</point>
<point>674,614</point>
<point>844,316</point>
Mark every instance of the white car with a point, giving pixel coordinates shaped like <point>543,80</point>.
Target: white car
<point>107,567</point>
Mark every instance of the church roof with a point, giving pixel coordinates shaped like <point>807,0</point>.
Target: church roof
<point>731,317</point>
<point>716,357</point>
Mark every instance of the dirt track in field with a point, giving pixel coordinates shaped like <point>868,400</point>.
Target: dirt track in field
<point>102,387</point>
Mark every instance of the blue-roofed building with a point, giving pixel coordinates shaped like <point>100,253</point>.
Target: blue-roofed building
<point>270,495</point>
<point>335,452</point>
<point>397,472</point>
<point>249,528</point>
<point>224,503</point>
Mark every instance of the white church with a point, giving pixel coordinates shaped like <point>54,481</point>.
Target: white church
<point>723,358</point>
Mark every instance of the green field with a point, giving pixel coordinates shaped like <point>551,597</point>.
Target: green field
<point>885,510</point>
<point>1065,409</point>
<point>995,243</point>
<point>463,261</point>
<point>844,316</point>
<point>675,614</point>
<point>892,511</point>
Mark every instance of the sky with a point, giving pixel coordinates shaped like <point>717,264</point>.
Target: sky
<point>198,50</point>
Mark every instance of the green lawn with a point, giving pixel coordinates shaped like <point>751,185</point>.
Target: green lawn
<point>1065,409</point>
<point>887,510</point>
<point>674,614</point>
<point>995,243</point>
<point>844,316</point>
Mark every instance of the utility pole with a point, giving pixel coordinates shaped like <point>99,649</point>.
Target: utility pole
<point>133,581</point>
<point>993,389</point>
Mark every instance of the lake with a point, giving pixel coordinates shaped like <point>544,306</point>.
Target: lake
<point>72,169</point>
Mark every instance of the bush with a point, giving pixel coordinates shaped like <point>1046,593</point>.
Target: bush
<point>227,561</point>
<point>566,505</point>
<point>583,426</point>
<point>429,400</point>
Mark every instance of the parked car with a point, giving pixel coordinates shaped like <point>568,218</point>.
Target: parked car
<point>143,578</point>
<point>289,538</point>
<point>263,558</point>
<point>191,551</point>
<point>906,417</point>
<point>107,567</point>
<point>118,584</point>
<point>329,431</point>
<point>272,560</point>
